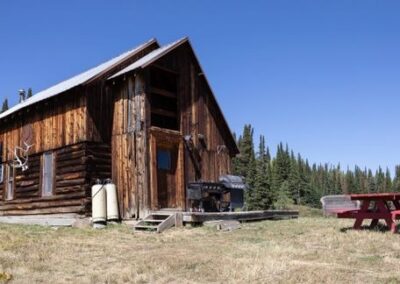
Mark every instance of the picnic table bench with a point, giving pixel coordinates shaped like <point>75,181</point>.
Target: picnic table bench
<point>374,206</point>
<point>334,204</point>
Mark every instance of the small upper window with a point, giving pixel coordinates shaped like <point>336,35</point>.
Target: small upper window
<point>164,160</point>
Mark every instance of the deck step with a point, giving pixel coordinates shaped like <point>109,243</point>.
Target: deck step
<point>144,227</point>
<point>156,222</point>
<point>152,221</point>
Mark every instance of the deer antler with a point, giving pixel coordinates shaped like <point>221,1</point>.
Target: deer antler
<point>21,162</point>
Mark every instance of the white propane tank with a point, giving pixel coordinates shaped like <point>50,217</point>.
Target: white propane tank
<point>112,201</point>
<point>99,209</point>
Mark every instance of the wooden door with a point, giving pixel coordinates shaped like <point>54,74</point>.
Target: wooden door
<point>167,188</point>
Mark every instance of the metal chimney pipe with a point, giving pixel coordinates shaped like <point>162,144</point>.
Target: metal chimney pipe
<point>21,95</point>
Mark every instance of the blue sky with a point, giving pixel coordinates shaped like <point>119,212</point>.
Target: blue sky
<point>322,76</point>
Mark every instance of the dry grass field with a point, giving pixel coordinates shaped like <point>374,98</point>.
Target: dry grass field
<point>308,250</point>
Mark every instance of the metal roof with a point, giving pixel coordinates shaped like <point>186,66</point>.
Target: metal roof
<point>76,80</point>
<point>151,57</point>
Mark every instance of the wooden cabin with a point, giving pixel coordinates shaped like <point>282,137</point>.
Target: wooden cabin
<point>147,119</point>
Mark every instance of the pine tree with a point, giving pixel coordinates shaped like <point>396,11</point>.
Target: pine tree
<point>284,199</point>
<point>262,189</point>
<point>246,148</point>
<point>29,93</point>
<point>380,180</point>
<point>5,106</point>
<point>388,181</point>
<point>245,163</point>
<point>371,182</point>
<point>281,167</point>
<point>294,179</point>
<point>396,181</point>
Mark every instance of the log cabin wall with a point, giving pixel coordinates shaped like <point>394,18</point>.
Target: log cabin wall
<point>59,126</point>
<point>75,168</point>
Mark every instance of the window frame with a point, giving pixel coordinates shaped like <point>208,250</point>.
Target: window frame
<point>43,192</point>
<point>2,164</point>
<point>9,195</point>
<point>2,169</point>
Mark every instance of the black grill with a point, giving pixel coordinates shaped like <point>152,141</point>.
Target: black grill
<point>225,195</point>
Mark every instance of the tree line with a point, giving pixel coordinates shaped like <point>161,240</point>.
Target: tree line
<point>5,106</point>
<point>286,179</point>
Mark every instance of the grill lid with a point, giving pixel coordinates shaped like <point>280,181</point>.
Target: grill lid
<point>231,181</point>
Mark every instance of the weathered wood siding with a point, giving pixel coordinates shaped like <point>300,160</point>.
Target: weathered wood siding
<point>133,148</point>
<point>56,123</point>
<point>200,114</point>
<point>75,169</point>
<point>129,148</point>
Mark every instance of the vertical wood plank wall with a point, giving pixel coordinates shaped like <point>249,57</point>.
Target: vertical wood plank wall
<point>129,147</point>
<point>60,121</point>
<point>132,154</point>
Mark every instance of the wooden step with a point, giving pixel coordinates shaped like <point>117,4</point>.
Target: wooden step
<point>151,221</point>
<point>144,227</point>
<point>156,222</point>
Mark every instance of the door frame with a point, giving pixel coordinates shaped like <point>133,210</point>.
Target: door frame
<point>168,138</point>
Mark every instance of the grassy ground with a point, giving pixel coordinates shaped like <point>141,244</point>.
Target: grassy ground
<point>311,249</point>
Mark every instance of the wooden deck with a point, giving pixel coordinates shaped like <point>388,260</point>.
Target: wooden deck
<point>200,217</point>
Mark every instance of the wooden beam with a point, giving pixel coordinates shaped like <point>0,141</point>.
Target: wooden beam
<point>163,92</point>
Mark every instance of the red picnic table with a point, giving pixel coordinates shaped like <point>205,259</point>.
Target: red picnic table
<point>375,206</point>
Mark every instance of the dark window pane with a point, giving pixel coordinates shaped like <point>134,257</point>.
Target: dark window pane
<point>163,159</point>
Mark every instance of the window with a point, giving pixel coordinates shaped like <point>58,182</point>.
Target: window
<point>164,99</point>
<point>47,173</point>
<point>1,163</point>
<point>164,160</point>
<point>10,183</point>
<point>1,173</point>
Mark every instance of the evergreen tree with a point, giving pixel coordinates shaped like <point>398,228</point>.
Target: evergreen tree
<point>29,93</point>
<point>245,164</point>
<point>286,179</point>
<point>380,180</point>
<point>5,106</point>
<point>396,181</point>
<point>284,199</point>
<point>281,167</point>
<point>262,190</point>
<point>294,179</point>
<point>388,181</point>
<point>371,182</point>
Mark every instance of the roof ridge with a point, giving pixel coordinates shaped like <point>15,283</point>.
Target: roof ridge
<point>76,80</point>
<point>151,57</point>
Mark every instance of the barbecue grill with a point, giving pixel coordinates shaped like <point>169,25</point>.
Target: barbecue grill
<point>224,195</point>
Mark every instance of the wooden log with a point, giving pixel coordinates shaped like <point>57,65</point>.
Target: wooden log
<point>71,176</point>
<point>68,189</point>
<point>42,204</point>
<point>34,187</point>
<point>57,210</point>
<point>72,182</point>
<point>71,169</point>
<point>73,195</point>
